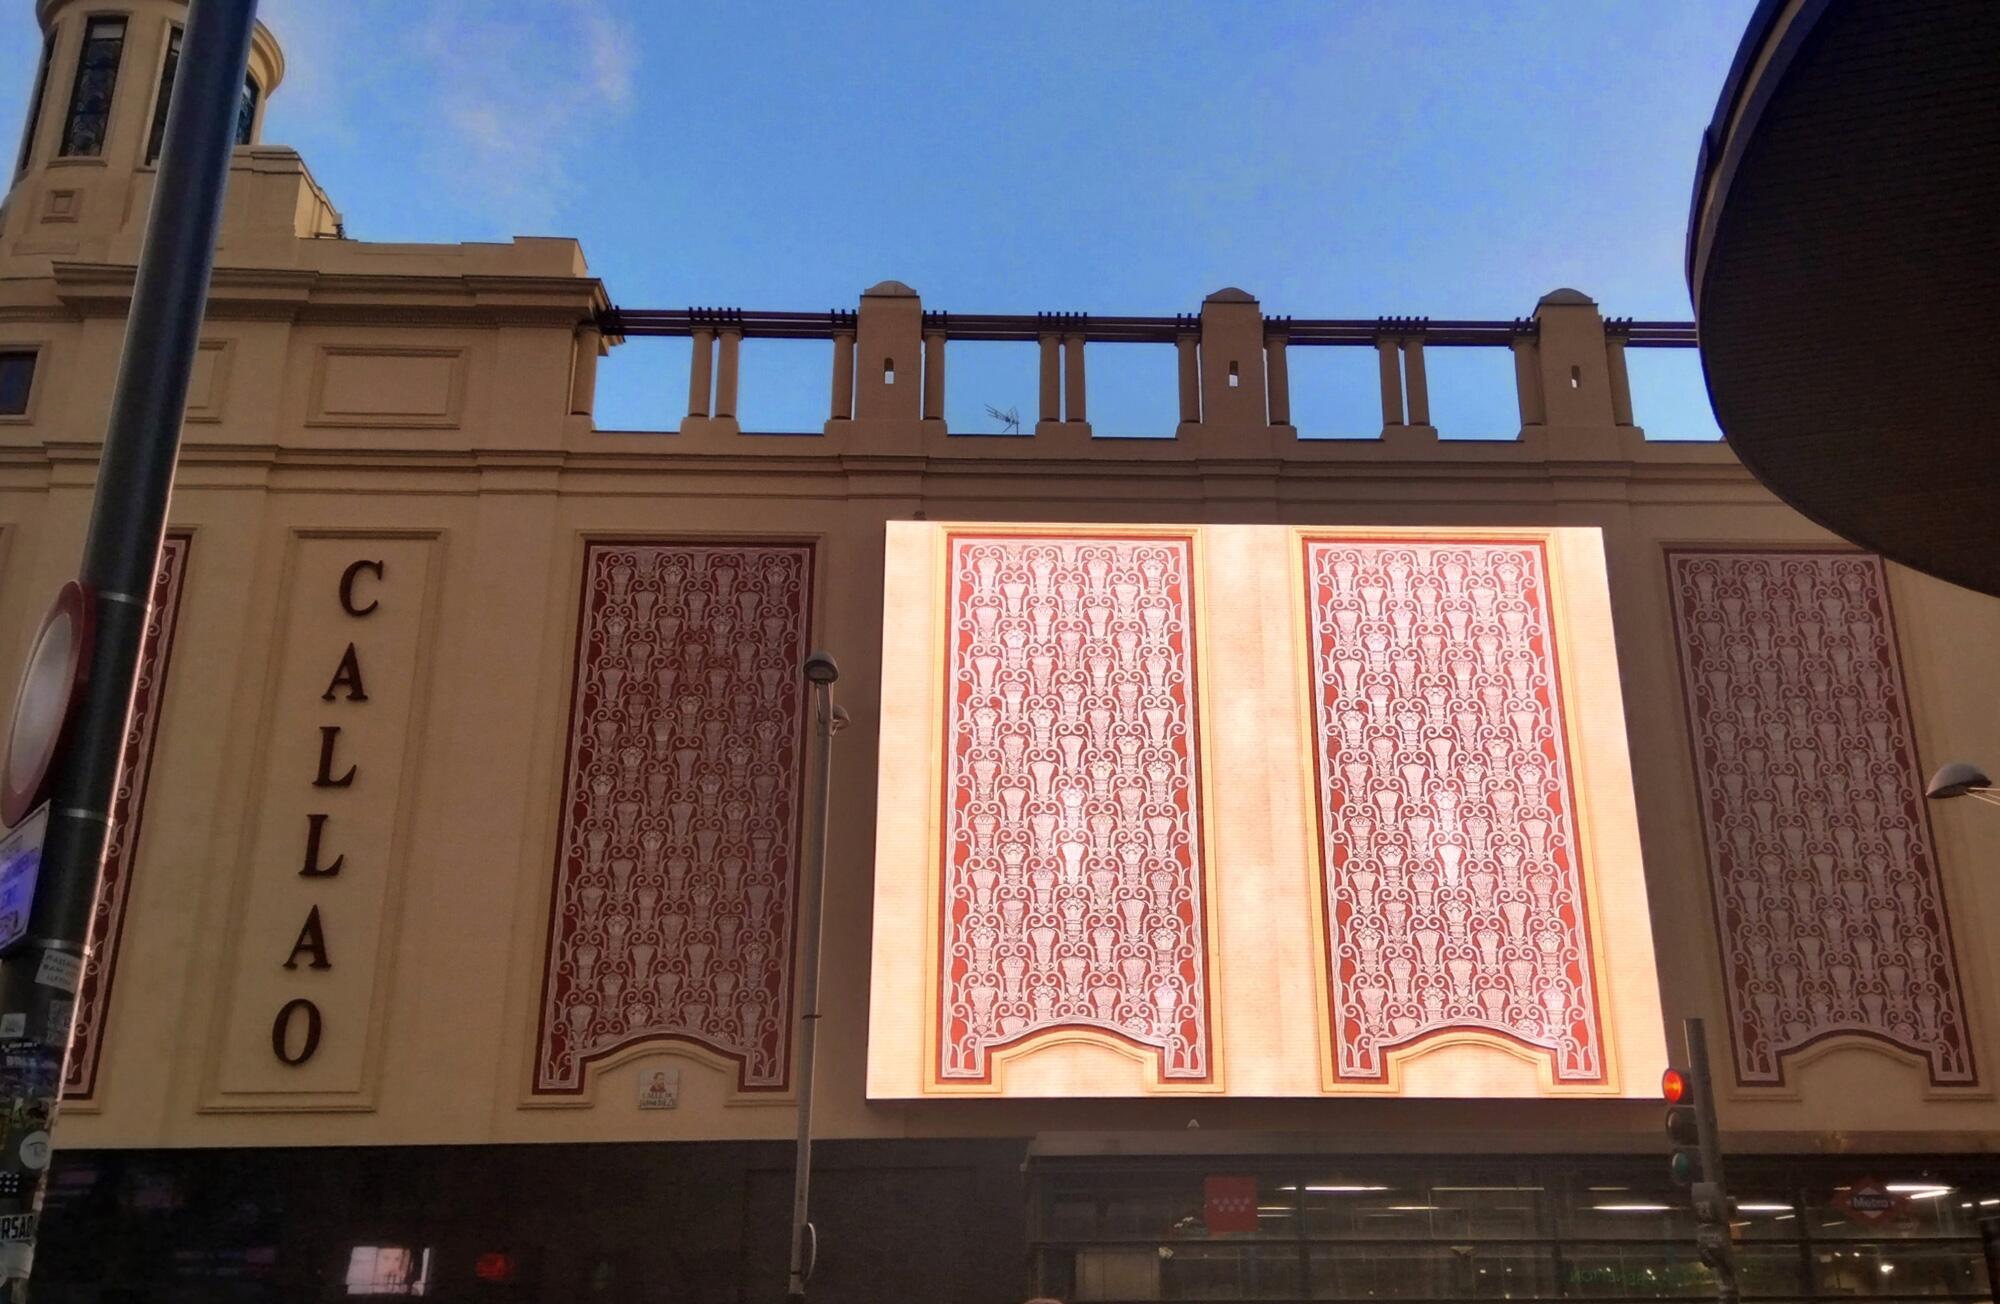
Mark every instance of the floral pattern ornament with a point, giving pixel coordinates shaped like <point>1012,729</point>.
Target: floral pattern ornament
<point>1073,893</point>
<point>1454,893</point>
<point>677,858</point>
<point>114,887</point>
<point>1831,916</point>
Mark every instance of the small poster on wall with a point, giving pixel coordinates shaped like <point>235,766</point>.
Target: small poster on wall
<point>660,1089</point>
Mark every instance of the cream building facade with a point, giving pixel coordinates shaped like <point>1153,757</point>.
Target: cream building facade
<point>462,828</point>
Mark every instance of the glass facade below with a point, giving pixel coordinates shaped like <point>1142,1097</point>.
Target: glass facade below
<point>1407,1228</point>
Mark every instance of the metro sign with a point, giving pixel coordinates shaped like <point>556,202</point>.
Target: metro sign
<point>1869,1202</point>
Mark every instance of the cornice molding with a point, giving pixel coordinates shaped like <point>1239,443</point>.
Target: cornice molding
<point>345,298</point>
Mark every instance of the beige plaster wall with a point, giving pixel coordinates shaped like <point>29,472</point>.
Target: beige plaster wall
<point>448,428</point>
<point>456,1028</point>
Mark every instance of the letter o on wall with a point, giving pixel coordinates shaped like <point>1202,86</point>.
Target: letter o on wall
<point>281,1032</point>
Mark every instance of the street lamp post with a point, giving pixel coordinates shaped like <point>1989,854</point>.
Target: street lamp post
<point>39,978</point>
<point>828,719</point>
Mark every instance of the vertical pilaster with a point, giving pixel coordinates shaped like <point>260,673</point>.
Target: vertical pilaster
<point>1528,379</point>
<point>1575,371</point>
<point>1278,376</point>
<point>725,372</point>
<point>1416,383</point>
<point>1073,392</point>
<point>888,374</point>
<point>843,376</point>
<point>1187,345</point>
<point>1621,380</point>
<point>583,371</point>
<point>1051,388</point>
<point>1388,364</point>
<point>933,375</point>
<point>1233,394</point>
<point>701,373</point>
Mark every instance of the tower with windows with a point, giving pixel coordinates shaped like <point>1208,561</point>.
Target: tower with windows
<point>81,177</point>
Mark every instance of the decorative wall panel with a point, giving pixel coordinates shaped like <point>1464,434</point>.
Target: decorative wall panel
<point>107,918</point>
<point>677,860</point>
<point>1073,893</point>
<point>1453,891</point>
<point>1831,916</point>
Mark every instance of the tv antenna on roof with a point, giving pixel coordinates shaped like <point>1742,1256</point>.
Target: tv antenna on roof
<point>1010,420</point>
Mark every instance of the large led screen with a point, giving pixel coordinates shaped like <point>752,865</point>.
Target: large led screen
<point>1257,811</point>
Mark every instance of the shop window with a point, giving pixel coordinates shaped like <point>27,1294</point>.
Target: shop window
<point>1197,1271</point>
<point>246,106</point>
<point>1900,1269</point>
<point>17,380</point>
<point>35,105</point>
<point>388,1270</point>
<point>1638,1270</point>
<point>90,98</point>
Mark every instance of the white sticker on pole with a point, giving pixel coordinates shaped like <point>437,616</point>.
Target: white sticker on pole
<point>60,969</point>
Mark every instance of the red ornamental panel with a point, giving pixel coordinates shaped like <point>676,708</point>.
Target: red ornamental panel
<point>1831,916</point>
<point>1072,894</point>
<point>677,864</point>
<point>107,917</point>
<point>1454,893</point>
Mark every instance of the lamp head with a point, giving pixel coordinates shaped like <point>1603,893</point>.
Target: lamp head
<point>821,669</point>
<point>1956,780</point>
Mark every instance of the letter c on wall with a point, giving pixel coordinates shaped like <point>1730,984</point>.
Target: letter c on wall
<point>347,578</point>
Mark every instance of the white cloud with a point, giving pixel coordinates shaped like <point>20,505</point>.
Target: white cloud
<point>520,90</point>
<point>501,93</point>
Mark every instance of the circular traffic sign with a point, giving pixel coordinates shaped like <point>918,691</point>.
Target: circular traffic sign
<point>51,685</point>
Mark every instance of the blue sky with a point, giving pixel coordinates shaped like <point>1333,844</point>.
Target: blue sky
<point>1454,159</point>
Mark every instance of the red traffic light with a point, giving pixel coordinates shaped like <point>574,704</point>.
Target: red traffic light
<point>494,1267</point>
<point>1674,1086</point>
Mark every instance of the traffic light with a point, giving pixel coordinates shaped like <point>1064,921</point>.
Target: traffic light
<point>1683,1127</point>
<point>1696,1162</point>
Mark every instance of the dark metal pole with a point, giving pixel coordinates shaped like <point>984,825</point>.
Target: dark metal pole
<point>1989,1241</point>
<point>828,718</point>
<point>1710,1133</point>
<point>121,554</point>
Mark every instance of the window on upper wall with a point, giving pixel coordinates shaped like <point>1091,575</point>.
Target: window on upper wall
<point>17,378</point>
<point>246,106</point>
<point>246,111</point>
<point>35,105</point>
<point>158,135</point>
<point>90,99</point>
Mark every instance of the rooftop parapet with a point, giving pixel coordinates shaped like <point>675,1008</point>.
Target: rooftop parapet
<point>888,382</point>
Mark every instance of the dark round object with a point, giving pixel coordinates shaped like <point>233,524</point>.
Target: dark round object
<point>821,668</point>
<point>51,686</point>
<point>1844,259</point>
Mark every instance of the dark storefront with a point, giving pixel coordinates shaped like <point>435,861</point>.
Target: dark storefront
<point>985,1223</point>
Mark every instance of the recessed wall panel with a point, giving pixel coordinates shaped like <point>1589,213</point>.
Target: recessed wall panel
<point>1830,912</point>
<point>677,860</point>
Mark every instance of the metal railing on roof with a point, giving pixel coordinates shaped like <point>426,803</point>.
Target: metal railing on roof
<point>639,322</point>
